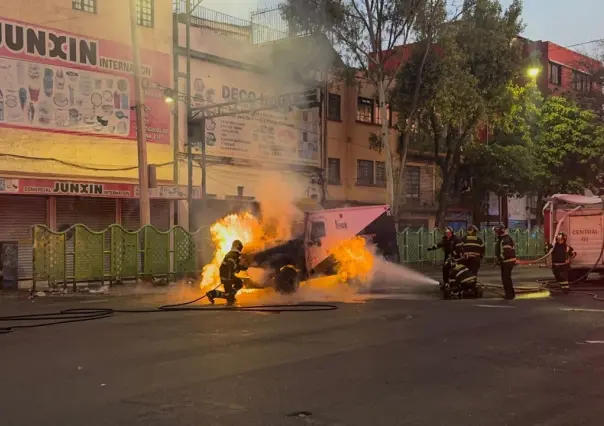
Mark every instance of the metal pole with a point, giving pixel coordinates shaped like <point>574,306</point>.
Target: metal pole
<point>188,103</point>
<point>176,124</point>
<point>139,105</point>
<point>202,125</point>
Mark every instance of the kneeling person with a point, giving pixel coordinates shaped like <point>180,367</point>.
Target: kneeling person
<point>462,280</point>
<point>228,268</point>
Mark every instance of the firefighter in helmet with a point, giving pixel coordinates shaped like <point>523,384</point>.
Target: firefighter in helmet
<point>231,264</point>
<point>453,248</point>
<point>562,253</point>
<point>473,249</point>
<point>461,281</point>
<point>505,255</point>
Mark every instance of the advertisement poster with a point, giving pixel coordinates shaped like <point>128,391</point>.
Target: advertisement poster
<point>58,82</point>
<point>281,135</point>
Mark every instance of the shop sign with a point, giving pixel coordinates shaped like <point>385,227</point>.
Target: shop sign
<point>66,83</point>
<point>90,189</point>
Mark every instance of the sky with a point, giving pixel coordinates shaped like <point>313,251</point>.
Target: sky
<point>565,22</point>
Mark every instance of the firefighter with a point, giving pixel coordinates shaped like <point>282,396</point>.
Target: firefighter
<point>461,279</point>
<point>505,255</point>
<point>561,256</point>
<point>228,268</point>
<point>473,249</point>
<point>453,248</point>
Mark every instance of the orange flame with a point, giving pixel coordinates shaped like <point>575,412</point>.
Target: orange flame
<point>244,227</point>
<point>354,259</point>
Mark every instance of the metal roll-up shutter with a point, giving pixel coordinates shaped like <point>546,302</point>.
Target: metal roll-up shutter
<point>130,215</point>
<point>160,214</point>
<point>17,216</point>
<point>96,213</point>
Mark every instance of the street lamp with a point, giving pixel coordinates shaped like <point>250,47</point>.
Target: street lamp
<point>533,72</point>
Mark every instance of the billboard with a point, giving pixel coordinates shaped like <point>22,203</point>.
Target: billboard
<point>291,137</point>
<point>58,82</point>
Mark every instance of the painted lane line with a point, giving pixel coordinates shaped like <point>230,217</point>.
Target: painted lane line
<point>581,310</point>
<point>494,306</point>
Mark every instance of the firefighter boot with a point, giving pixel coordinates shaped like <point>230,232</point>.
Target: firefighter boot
<point>210,297</point>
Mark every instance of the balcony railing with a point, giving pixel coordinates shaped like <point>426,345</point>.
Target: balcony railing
<point>424,199</point>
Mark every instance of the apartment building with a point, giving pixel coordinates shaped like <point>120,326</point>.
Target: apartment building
<point>68,151</point>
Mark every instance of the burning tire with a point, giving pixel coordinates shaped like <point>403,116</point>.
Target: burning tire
<point>286,280</point>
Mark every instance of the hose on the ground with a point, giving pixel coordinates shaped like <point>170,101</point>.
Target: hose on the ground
<point>67,316</point>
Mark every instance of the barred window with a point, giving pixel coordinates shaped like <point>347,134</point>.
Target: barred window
<point>365,110</point>
<point>380,173</point>
<point>333,171</point>
<point>144,13</point>
<point>334,107</point>
<point>412,181</point>
<point>84,5</point>
<point>364,172</point>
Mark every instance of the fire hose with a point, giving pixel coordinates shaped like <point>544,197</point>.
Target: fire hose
<point>90,314</point>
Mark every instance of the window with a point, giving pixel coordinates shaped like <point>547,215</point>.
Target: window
<point>304,136</point>
<point>84,5</point>
<point>304,115</point>
<point>364,172</point>
<point>144,13</point>
<point>365,110</point>
<point>334,107</point>
<point>581,82</point>
<point>378,114</point>
<point>380,173</point>
<point>555,74</point>
<point>333,171</point>
<point>412,182</point>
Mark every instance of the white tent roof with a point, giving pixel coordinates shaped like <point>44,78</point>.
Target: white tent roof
<point>576,199</point>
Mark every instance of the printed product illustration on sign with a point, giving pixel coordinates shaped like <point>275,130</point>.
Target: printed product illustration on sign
<point>53,81</point>
<point>58,98</point>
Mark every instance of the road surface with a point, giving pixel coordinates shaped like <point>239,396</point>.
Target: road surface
<point>382,362</point>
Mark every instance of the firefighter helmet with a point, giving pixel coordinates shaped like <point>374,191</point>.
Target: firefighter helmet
<point>472,230</point>
<point>499,229</point>
<point>237,245</point>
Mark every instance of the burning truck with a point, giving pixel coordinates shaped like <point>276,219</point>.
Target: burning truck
<point>581,218</point>
<point>319,245</point>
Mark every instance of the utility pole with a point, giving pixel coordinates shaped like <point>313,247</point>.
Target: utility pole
<point>188,103</point>
<point>139,105</point>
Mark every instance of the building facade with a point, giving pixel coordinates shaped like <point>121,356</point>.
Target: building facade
<point>68,151</point>
<point>329,157</point>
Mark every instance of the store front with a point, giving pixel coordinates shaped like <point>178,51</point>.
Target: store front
<point>62,204</point>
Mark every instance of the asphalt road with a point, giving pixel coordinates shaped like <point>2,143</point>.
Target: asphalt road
<point>382,362</point>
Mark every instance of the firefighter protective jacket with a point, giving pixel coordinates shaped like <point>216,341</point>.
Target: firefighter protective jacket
<point>461,275</point>
<point>230,265</point>
<point>561,254</point>
<point>505,251</point>
<point>473,247</point>
<point>452,247</point>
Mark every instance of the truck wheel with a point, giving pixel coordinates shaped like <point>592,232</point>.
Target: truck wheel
<point>286,280</point>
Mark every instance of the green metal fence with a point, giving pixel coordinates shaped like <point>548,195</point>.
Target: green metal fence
<point>414,242</point>
<point>114,254</point>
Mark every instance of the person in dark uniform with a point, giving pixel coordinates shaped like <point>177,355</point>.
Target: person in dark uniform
<point>453,248</point>
<point>228,268</point>
<point>505,255</point>
<point>461,280</point>
<point>562,253</point>
<point>473,249</point>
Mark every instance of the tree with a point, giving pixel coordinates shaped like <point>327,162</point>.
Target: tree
<point>368,33</point>
<point>476,60</point>
<point>569,148</point>
<point>505,162</point>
